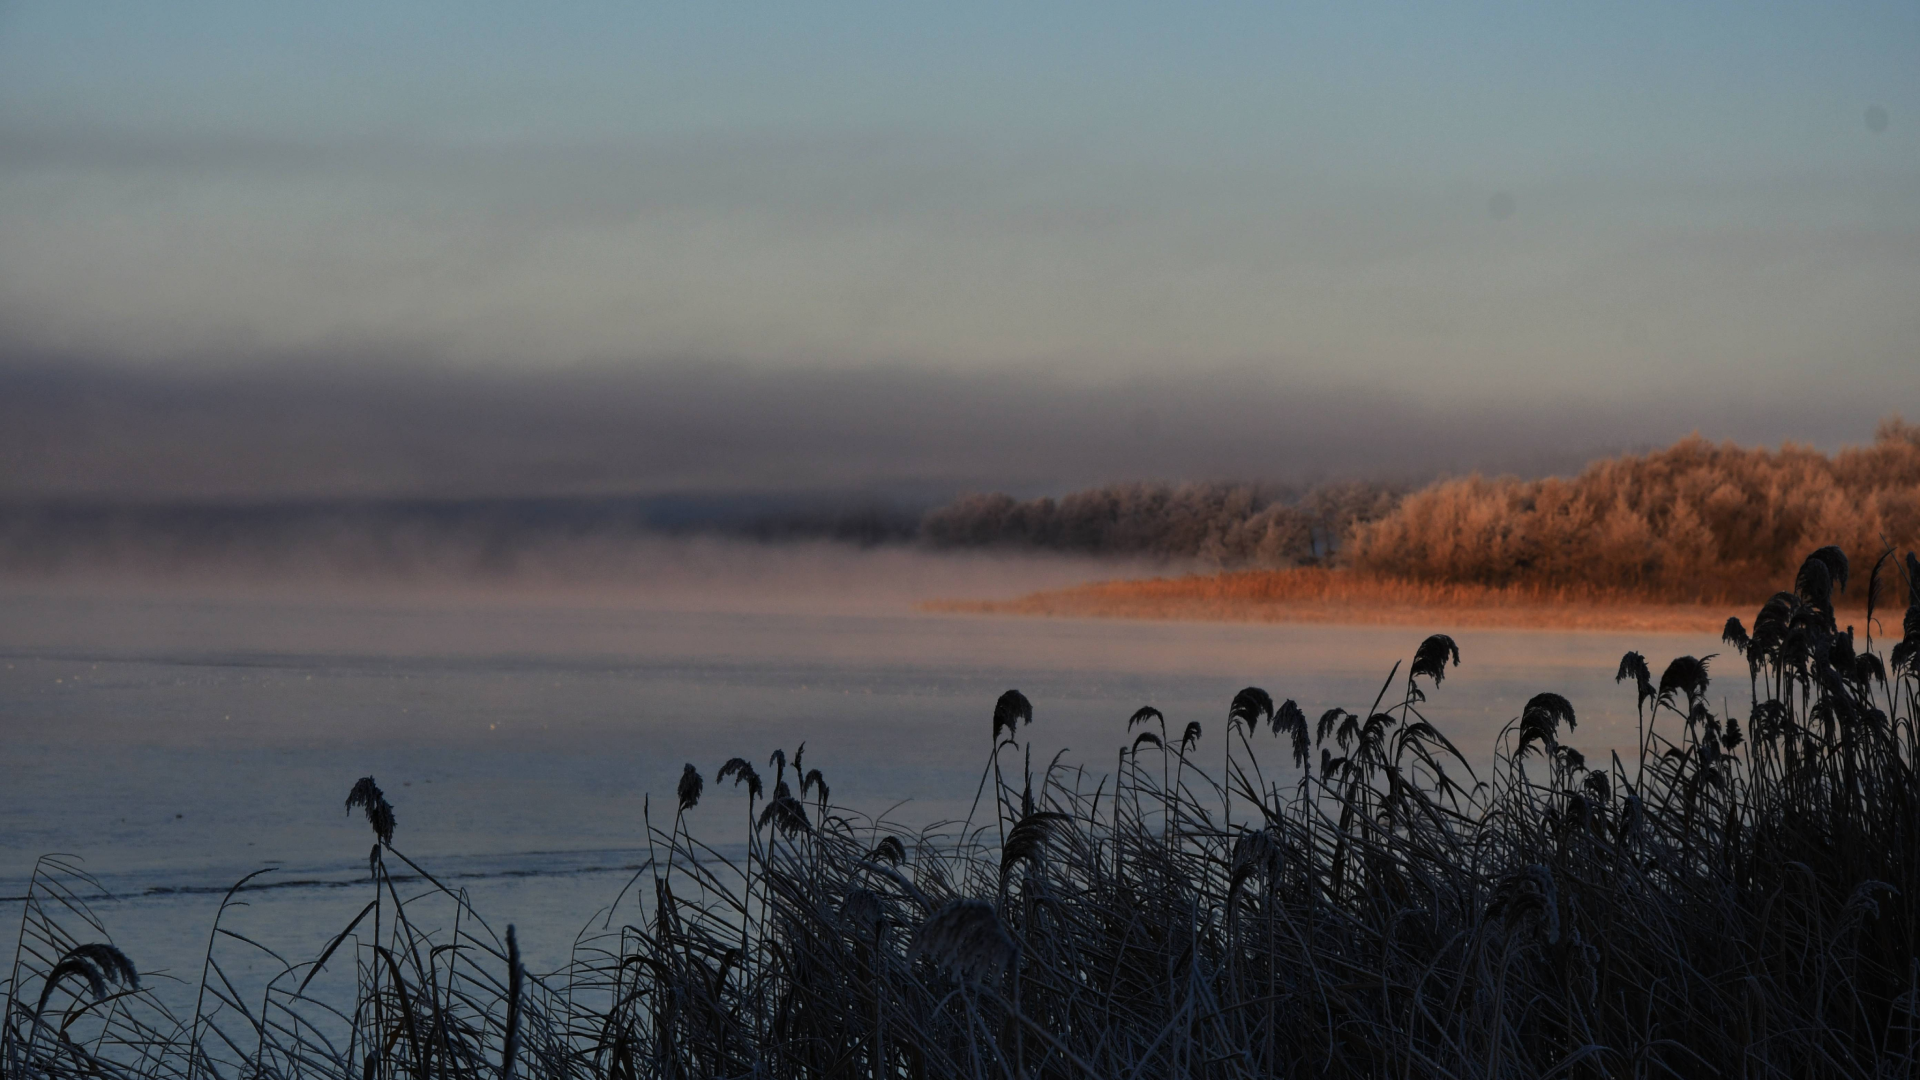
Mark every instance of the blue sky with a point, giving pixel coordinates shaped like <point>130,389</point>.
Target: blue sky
<point>1520,203</point>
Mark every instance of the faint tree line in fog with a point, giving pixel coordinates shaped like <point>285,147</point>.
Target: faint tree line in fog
<point>1694,520</point>
<point>1228,525</point>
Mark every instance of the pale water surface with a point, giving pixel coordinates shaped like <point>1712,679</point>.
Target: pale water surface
<point>178,739</point>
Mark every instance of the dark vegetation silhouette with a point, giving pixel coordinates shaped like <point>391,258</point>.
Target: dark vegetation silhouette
<point>451,537</point>
<point>1278,895</point>
<point>1224,525</point>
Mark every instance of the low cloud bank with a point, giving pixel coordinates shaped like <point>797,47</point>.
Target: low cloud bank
<point>368,427</point>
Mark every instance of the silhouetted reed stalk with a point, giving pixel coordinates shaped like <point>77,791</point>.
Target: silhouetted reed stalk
<point>1739,900</point>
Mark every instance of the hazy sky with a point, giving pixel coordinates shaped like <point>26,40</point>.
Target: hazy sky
<point>1563,206</point>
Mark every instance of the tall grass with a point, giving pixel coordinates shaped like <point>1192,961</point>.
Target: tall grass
<point>1277,895</point>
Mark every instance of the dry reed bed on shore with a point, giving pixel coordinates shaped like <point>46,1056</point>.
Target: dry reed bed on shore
<point>1740,897</point>
<point>1316,595</point>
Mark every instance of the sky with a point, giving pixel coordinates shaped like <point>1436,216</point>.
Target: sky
<point>1541,230</point>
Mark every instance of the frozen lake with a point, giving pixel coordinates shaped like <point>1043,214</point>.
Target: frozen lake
<point>177,740</point>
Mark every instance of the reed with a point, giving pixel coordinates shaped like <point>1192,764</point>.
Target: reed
<point>1349,595</point>
<point>1739,897</point>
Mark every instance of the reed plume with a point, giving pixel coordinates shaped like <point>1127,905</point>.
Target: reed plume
<point>367,794</point>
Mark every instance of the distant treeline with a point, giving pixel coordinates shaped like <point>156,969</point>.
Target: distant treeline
<point>1693,521</point>
<point>461,538</point>
<point>1229,525</point>
<point>1225,525</point>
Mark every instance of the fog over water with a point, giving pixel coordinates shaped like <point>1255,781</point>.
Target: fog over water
<point>178,735</point>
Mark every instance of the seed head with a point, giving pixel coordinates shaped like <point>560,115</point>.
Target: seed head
<point>741,773</point>
<point>367,794</point>
<point>1012,710</point>
<point>1430,659</point>
<point>690,787</point>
